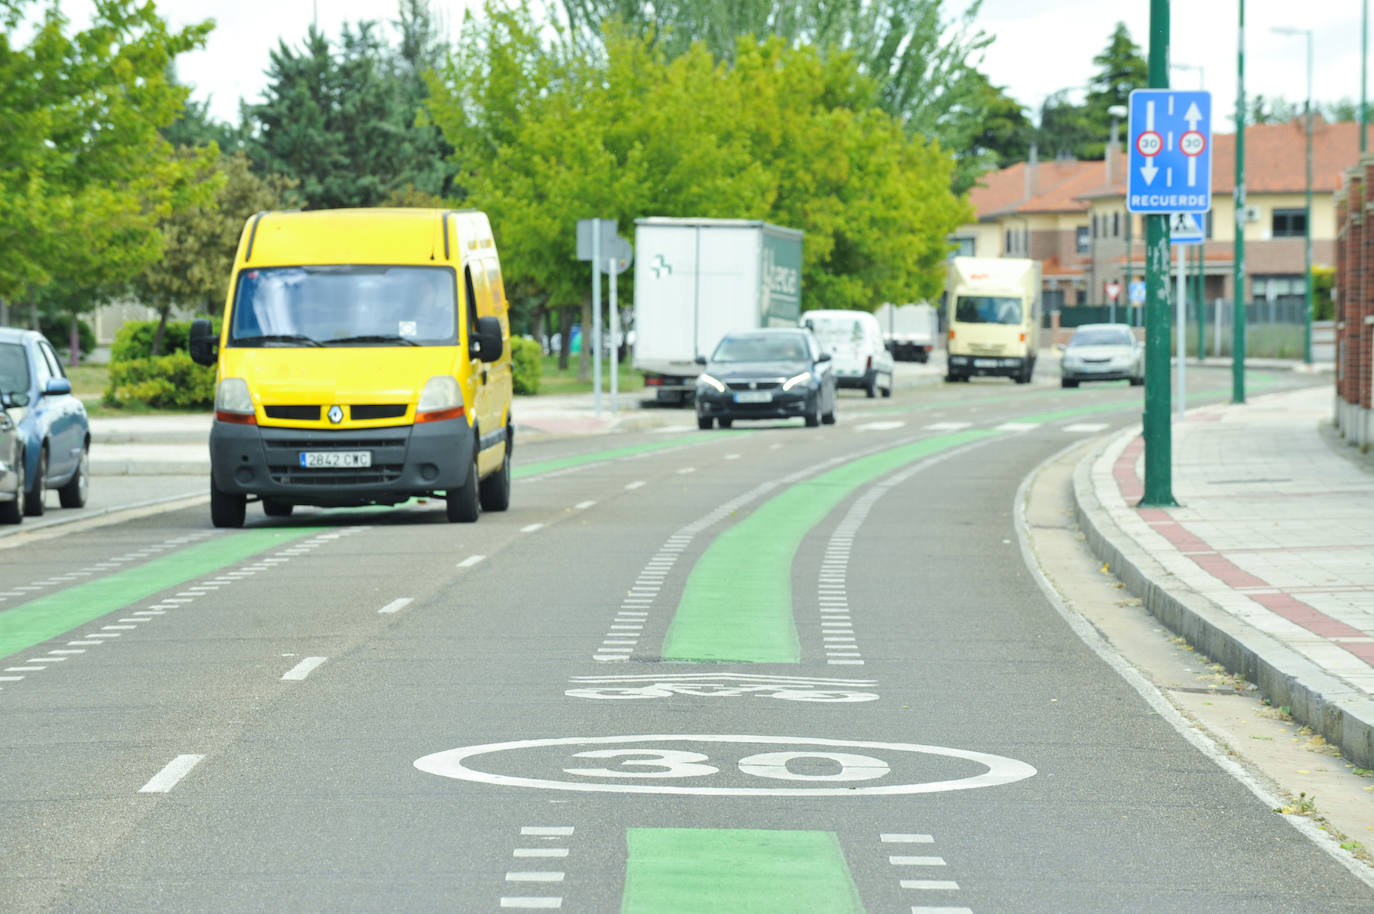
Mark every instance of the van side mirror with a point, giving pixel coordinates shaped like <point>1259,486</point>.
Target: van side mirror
<point>824,357</point>
<point>201,343</point>
<point>700,360</point>
<point>486,343</point>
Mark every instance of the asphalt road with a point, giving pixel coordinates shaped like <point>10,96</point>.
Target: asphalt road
<point>773,669</point>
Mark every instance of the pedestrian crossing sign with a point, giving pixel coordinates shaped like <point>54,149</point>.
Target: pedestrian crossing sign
<point>1185,228</point>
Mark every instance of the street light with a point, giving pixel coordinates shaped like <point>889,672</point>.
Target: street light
<point>1307,117</point>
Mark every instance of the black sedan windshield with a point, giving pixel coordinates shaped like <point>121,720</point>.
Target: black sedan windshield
<point>772,348</point>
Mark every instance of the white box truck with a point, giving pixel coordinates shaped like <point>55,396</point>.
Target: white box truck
<point>993,310</point>
<point>910,331</point>
<point>698,279</point>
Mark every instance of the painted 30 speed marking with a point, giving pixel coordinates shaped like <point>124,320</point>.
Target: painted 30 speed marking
<point>727,765</point>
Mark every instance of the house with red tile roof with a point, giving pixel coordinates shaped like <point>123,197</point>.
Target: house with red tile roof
<point>1072,216</point>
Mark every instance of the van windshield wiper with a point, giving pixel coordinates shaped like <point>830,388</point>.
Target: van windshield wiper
<point>276,338</point>
<point>373,338</point>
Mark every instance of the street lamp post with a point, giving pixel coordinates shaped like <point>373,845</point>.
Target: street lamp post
<point>1307,219</point>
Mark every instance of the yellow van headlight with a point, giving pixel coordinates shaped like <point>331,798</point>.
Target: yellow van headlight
<point>233,402</point>
<point>440,399</point>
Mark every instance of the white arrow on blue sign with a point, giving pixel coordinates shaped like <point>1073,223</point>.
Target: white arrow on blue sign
<point>1170,159</point>
<point>1185,228</point>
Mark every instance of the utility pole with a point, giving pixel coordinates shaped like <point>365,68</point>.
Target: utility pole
<point>1157,429</point>
<point>1238,270</point>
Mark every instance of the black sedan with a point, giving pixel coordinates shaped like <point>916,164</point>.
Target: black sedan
<point>766,374</point>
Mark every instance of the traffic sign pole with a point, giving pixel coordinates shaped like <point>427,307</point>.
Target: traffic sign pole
<point>1157,429</point>
<point>1182,324</point>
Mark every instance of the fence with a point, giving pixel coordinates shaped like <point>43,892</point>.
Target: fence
<point>1273,329</point>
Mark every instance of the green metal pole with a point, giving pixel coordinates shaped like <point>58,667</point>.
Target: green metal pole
<point>1130,307</point>
<point>1364,70</point>
<point>1307,274</point>
<point>1238,293</point>
<point>1157,428</point>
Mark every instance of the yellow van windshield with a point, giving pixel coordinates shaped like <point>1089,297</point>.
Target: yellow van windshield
<point>345,306</point>
<point>987,309</point>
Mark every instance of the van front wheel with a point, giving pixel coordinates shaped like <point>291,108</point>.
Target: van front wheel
<point>494,491</point>
<point>464,504</point>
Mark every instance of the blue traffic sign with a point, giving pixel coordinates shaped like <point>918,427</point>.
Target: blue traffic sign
<point>1169,164</point>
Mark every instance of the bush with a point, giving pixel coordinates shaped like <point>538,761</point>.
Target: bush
<point>166,382</point>
<point>135,339</point>
<point>526,361</point>
<point>58,329</point>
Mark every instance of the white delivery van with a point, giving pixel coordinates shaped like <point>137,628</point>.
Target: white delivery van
<point>993,310</point>
<point>911,331</point>
<point>855,343</point>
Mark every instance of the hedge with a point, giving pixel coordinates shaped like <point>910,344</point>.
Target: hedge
<point>58,329</point>
<point>135,339</point>
<point>166,382</point>
<point>526,363</point>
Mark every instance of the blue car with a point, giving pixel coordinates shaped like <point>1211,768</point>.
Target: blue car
<point>53,430</point>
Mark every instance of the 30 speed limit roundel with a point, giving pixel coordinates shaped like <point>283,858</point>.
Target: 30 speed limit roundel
<point>725,765</point>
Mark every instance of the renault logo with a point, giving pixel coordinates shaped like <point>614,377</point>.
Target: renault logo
<point>336,414</point>
<point>753,385</point>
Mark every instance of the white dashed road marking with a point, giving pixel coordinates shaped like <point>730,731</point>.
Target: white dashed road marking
<point>881,426</point>
<point>583,505</point>
<point>303,669</point>
<point>168,777</point>
<point>949,426</point>
<point>549,836</point>
<point>1017,426</point>
<point>397,605</point>
<point>1086,427</point>
<point>530,528</point>
<point>470,561</point>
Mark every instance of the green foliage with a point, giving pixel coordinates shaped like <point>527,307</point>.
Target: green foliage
<point>134,340</point>
<point>84,171</point>
<point>526,361</point>
<point>345,121</point>
<point>166,382</point>
<point>1323,280</point>
<point>1121,68</point>
<point>922,63</point>
<point>545,137</point>
<point>58,329</point>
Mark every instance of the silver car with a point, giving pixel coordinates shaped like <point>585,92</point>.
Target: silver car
<point>1103,352</point>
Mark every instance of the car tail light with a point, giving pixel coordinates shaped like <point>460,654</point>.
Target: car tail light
<point>653,381</point>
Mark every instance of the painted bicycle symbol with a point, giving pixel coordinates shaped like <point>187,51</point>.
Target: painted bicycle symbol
<point>722,685</point>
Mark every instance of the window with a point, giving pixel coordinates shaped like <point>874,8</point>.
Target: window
<point>54,363</point>
<point>1096,232</point>
<point>1082,239</point>
<point>1290,223</point>
<point>1116,225</point>
<point>987,309</point>
<point>1007,249</point>
<point>961,247</point>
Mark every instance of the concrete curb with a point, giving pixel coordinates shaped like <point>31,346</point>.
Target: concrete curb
<point>150,468</point>
<point>1316,699</point>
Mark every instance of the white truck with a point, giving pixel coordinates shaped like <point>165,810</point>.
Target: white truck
<point>910,331</point>
<point>698,279</point>
<point>994,317</point>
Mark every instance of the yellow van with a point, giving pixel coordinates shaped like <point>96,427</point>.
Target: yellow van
<point>364,359</point>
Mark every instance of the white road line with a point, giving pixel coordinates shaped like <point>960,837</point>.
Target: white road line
<point>916,861</point>
<point>60,651</point>
<point>551,876</point>
<point>583,505</point>
<point>1017,426</point>
<point>732,456</point>
<point>907,839</point>
<point>45,659</point>
<point>944,885</point>
<point>634,485</point>
<point>923,909</point>
<point>881,426</point>
<point>104,635</point>
<point>117,628</point>
<point>397,605</point>
<point>685,470</point>
<point>547,831</point>
<point>84,643</point>
<point>302,669</point>
<point>541,852</point>
<point>470,561</point>
<point>24,669</point>
<point>532,903</point>
<point>168,777</point>
<point>948,426</point>
<point>1086,427</point>
<point>10,678</point>
<point>530,528</point>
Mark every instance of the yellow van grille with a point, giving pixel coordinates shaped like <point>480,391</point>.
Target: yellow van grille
<point>986,348</point>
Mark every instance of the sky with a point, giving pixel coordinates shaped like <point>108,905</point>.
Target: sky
<point>1039,46</point>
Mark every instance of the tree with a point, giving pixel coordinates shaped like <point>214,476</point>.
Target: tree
<point>1122,68</point>
<point>1004,133</point>
<point>200,238</point>
<point>548,135</point>
<point>1064,128</point>
<point>344,122</point>
<point>921,61</point>
<point>84,171</point>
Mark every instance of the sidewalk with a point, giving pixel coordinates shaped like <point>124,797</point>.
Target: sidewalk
<point>1267,565</point>
<point>179,445</point>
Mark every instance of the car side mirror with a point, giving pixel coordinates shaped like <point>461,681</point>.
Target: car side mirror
<point>700,360</point>
<point>202,343</point>
<point>57,386</point>
<point>824,357</point>
<point>14,398</point>
<point>486,343</point>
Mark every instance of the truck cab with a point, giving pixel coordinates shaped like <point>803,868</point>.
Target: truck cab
<point>994,318</point>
